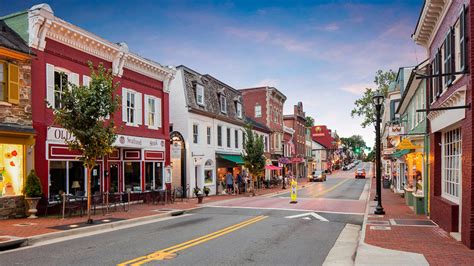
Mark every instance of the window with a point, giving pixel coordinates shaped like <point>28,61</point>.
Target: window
<point>199,94</point>
<point>12,176</point>
<point>208,176</point>
<point>132,108</point>
<point>9,83</point>
<point>228,137</point>
<point>448,57</point>
<point>132,175</point>
<point>451,164</point>
<point>236,136</point>
<point>195,133</point>
<point>223,103</point>
<point>238,107</point>
<point>219,136</point>
<point>60,84</point>
<point>462,38</point>
<point>265,143</point>
<point>244,138</point>
<point>66,177</point>
<point>152,112</point>
<point>258,110</point>
<point>3,81</point>
<point>153,175</point>
<point>209,135</point>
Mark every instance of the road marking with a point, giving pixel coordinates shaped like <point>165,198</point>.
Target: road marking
<point>315,215</point>
<point>284,209</point>
<point>170,252</point>
<point>331,188</point>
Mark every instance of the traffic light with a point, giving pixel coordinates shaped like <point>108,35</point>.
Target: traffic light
<point>357,150</point>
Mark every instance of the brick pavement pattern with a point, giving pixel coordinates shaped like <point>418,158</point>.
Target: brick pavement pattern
<point>438,247</point>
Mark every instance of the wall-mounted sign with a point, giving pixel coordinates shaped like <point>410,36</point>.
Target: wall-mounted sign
<point>396,130</point>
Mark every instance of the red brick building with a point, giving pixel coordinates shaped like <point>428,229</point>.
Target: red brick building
<point>444,29</point>
<point>297,121</point>
<point>265,105</point>
<point>142,146</point>
<point>323,136</point>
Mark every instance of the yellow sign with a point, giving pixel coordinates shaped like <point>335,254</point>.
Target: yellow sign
<point>294,190</point>
<point>407,145</point>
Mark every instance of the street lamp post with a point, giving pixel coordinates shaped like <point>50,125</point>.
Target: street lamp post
<point>378,101</point>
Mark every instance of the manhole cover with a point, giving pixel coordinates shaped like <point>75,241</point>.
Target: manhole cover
<point>378,222</point>
<point>24,224</point>
<point>380,227</point>
<point>412,222</point>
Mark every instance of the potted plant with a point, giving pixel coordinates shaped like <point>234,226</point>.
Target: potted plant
<point>197,191</point>
<point>206,191</point>
<point>32,192</point>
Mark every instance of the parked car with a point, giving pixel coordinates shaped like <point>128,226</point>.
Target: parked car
<point>318,176</point>
<point>345,167</point>
<point>360,173</point>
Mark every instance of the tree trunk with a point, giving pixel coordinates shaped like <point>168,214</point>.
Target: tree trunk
<point>89,196</point>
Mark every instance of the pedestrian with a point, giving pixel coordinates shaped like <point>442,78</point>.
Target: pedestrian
<point>229,181</point>
<point>239,183</point>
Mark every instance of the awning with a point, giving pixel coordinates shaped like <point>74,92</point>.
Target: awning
<point>400,153</point>
<point>233,158</point>
<point>272,167</point>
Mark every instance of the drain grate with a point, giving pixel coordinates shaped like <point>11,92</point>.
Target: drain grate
<point>412,222</point>
<point>377,222</point>
<point>379,227</point>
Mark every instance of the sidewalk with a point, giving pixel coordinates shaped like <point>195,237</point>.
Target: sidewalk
<point>406,243</point>
<point>27,228</point>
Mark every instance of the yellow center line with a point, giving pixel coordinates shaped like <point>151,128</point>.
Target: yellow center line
<point>173,249</point>
<point>331,188</point>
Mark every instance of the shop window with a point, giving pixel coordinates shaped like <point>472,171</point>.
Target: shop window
<point>153,175</point>
<point>76,178</point>
<point>219,136</point>
<point>57,178</point>
<point>451,164</point>
<point>11,170</point>
<point>208,177</point>
<point>132,176</point>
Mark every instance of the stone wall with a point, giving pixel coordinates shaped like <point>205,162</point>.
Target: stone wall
<point>12,207</point>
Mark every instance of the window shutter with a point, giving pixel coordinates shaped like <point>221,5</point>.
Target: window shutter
<point>463,42</point>
<point>158,113</point>
<point>138,109</point>
<point>13,84</point>
<point>452,56</point>
<point>430,84</point>
<point>124,104</point>
<point>147,98</point>
<point>86,80</point>
<point>74,78</point>
<point>50,84</point>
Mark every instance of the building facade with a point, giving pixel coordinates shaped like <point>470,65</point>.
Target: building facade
<point>16,124</point>
<point>297,121</point>
<point>444,29</point>
<point>208,114</point>
<point>63,51</point>
<point>322,135</point>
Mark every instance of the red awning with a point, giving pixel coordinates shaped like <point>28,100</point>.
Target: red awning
<point>272,167</point>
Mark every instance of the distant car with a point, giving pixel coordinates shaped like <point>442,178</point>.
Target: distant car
<point>318,176</point>
<point>345,167</point>
<point>360,173</point>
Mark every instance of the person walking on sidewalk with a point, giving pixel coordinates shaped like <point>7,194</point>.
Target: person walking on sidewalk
<point>239,183</point>
<point>229,181</point>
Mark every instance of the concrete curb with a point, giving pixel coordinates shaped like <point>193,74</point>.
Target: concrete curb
<point>51,236</point>
<point>344,250</point>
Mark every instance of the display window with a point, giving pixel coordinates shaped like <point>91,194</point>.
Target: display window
<point>153,175</point>
<point>11,170</point>
<point>132,174</point>
<point>66,177</point>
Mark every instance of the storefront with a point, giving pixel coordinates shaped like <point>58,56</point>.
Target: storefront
<point>136,165</point>
<point>226,163</point>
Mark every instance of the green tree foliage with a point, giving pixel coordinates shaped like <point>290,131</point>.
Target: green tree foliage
<point>354,141</point>
<point>254,159</point>
<point>83,113</point>
<point>370,157</point>
<point>309,121</point>
<point>32,187</point>
<point>363,106</point>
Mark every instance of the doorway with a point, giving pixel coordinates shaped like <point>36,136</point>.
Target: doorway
<point>114,177</point>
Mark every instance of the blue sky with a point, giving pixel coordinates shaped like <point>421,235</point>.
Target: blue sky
<point>323,53</point>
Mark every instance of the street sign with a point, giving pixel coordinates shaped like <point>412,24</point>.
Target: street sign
<point>294,191</point>
<point>307,216</point>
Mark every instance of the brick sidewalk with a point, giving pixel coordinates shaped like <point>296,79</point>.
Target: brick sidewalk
<point>433,242</point>
<point>43,225</point>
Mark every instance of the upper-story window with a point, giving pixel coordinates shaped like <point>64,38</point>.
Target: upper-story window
<point>223,103</point>
<point>236,138</point>
<point>132,107</point>
<point>258,110</point>
<point>448,57</point>
<point>60,85</point>
<point>195,133</point>
<point>57,80</point>
<point>199,94</point>
<point>152,112</point>
<point>9,83</point>
<point>219,136</point>
<point>265,143</point>
<point>209,135</point>
<point>228,137</point>
<point>238,107</point>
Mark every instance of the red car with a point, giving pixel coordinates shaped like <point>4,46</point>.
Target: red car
<point>360,173</point>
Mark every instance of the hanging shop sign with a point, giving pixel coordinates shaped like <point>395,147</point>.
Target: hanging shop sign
<point>396,130</point>
<point>406,144</point>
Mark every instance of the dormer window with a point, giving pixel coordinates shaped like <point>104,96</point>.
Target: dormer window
<point>258,110</point>
<point>238,107</point>
<point>199,94</point>
<point>223,102</point>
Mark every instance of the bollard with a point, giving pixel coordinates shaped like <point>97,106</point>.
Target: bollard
<point>294,191</point>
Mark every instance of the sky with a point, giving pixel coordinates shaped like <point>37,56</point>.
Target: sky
<point>322,53</point>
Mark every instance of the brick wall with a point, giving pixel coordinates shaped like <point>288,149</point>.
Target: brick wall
<point>19,114</point>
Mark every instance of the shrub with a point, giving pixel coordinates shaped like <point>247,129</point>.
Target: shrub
<point>32,187</point>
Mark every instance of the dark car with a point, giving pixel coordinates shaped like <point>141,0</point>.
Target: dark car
<point>318,176</point>
<point>360,173</point>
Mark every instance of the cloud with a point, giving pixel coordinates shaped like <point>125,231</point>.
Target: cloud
<point>357,89</point>
<point>329,27</point>
<point>268,82</point>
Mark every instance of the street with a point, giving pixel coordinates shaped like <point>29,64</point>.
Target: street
<point>224,233</point>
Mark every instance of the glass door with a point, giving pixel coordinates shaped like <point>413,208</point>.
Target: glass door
<point>114,177</point>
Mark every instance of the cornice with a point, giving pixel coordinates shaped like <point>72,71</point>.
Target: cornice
<point>429,21</point>
<point>457,98</point>
<point>43,24</point>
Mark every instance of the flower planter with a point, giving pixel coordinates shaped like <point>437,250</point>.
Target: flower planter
<point>32,203</point>
<point>200,199</point>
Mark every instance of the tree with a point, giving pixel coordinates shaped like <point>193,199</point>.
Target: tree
<point>309,121</point>
<point>355,143</point>
<point>371,156</point>
<point>363,106</point>
<point>254,159</point>
<point>83,113</point>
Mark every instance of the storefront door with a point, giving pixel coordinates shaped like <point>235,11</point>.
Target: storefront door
<point>96,186</point>
<point>114,177</point>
